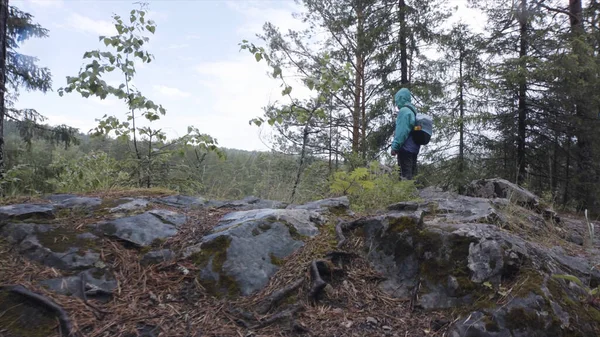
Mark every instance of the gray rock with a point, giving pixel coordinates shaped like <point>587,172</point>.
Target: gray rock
<point>500,188</point>
<point>53,245</point>
<point>248,203</point>
<point>403,206</point>
<point>247,247</point>
<point>339,205</point>
<point>171,217</point>
<point>486,260</point>
<point>58,198</point>
<point>182,201</point>
<point>157,256</point>
<point>463,266</point>
<point>80,203</point>
<point>22,212</point>
<point>142,229</point>
<point>99,284</point>
<point>17,232</point>
<point>303,221</point>
<point>130,205</point>
<point>462,209</point>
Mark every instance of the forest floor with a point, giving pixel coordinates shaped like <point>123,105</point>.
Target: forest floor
<point>166,299</point>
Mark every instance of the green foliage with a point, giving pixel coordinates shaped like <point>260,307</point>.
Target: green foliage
<point>371,189</point>
<point>151,150</point>
<point>92,172</point>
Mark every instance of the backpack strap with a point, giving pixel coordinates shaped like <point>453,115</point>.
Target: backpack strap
<point>415,113</point>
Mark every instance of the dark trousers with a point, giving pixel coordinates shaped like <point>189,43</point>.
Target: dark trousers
<point>408,165</point>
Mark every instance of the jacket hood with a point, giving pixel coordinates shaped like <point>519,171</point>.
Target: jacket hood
<point>402,97</point>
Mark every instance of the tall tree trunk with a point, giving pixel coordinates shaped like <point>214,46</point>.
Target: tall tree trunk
<point>403,45</point>
<point>363,104</point>
<point>356,120</point>
<point>3,37</point>
<point>586,175</point>
<point>522,120</point>
<point>461,124</point>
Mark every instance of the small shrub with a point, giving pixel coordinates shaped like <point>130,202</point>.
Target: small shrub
<point>370,189</point>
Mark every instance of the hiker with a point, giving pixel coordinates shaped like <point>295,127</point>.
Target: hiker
<point>404,146</point>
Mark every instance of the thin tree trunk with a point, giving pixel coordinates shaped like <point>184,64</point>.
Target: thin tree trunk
<point>567,171</point>
<point>364,110</point>
<point>356,125</point>
<point>403,45</point>
<point>461,124</point>
<point>3,37</point>
<point>522,93</point>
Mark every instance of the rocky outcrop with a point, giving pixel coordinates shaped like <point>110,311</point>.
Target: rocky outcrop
<point>246,248</point>
<point>462,255</point>
<point>500,188</point>
<point>503,284</point>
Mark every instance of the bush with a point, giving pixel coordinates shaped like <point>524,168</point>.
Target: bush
<point>371,188</point>
<point>92,172</point>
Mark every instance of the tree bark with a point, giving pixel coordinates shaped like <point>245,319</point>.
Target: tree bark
<point>461,124</point>
<point>3,37</point>
<point>403,45</point>
<point>356,116</point>
<point>586,174</point>
<point>522,119</point>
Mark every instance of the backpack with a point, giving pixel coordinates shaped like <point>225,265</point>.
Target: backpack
<point>421,132</point>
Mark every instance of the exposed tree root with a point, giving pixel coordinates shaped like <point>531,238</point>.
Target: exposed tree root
<point>65,327</point>
<point>269,302</point>
<point>317,283</point>
<point>345,226</point>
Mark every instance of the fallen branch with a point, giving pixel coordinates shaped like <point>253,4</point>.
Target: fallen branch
<point>266,305</point>
<point>65,327</point>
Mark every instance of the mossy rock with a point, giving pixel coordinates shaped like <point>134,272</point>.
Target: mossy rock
<point>22,317</point>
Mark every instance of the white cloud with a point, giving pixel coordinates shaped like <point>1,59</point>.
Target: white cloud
<point>171,92</point>
<point>89,25</point>
<point>83,125</point>
<point>256,13</point>
<point>104,102</point>
<point>46,3</point>
<point>176,46</point>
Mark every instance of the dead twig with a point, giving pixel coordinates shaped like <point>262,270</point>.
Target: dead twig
<point>266,305</point>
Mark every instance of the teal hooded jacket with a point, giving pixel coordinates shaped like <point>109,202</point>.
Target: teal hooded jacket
<point>405,122</point>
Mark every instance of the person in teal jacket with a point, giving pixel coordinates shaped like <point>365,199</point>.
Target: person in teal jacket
<point>403,145</point>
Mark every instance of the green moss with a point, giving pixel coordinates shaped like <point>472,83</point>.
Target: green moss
<point>61,239</point>
<point>158,243</point>
<point>20,316</point>
<point>490,324</point>
<point>338,210</point>
<point>264,226</point>
<point>216,251</point>
<point>294,232</point>
<point>275,260</point>
<point>521,319</point>
<point>401,224</point>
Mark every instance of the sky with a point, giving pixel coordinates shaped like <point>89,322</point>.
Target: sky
<point>199,73</point>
